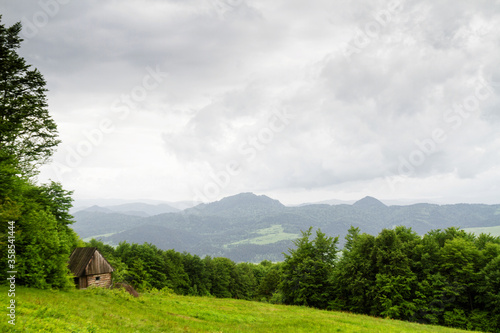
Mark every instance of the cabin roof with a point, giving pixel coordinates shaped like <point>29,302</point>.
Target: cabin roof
<point>87,261</point>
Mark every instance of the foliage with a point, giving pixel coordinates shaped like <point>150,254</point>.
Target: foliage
<point>307,269</point>
<point>147,267</point>
<point>37,215</point>
<point>446,277</point>
<point>43,241</point>
<point>27,132</point>
<point>269,282</point>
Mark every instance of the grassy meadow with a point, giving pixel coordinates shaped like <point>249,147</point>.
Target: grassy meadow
<point>494,231</point>
<point>269,235</point>
<point>101,310</point>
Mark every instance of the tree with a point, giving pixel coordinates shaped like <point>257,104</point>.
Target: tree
<point>198,275</point>
<point>460,264</point>
<point>490,287</point>
<point>244,282</point>
<point>269,283</point>
<point>43,241</point>
<point>395,281</point>
<point>27,132</point>
<point>354,275</point>
<point>221,277</point>
<point>306,271</point>
<point>28,137</point>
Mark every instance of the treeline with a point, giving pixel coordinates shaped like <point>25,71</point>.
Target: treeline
<point>146,266</point>
<point>447,277</point>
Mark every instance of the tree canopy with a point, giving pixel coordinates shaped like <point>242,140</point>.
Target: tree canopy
<point>27,132</point>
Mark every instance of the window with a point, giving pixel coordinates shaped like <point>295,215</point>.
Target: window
<point>97,278</point>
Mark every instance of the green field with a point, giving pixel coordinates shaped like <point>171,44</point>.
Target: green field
<point>101,310</point>
<point>99,236</point>
<point>270,235</point>
<point>494,231</point>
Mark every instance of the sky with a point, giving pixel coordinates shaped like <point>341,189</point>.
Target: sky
<point>303,101</point>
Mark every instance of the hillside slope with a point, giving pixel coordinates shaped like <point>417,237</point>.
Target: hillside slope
<point>106,311</point>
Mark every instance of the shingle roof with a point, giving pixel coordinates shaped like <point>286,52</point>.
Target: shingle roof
<point>79,259</point>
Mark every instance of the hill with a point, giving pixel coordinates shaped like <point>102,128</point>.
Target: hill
<point>143,209</point>
<point>252,228</point>
<point>494,231</point>
<point>104,310</point>
<point>369,202</point>
<point>243,204</point>
<point>91,223</point>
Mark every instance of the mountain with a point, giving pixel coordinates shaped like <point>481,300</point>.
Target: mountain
<point>144,208</point>
<point>327,202</point>
<point>247,227</point>
<point>161,236</point>
<point>151,207</point>
<point>134,209</point>
<point>240,205</point>
<point>369,202</point>
<point>98,209</point>
<point>97,223</point>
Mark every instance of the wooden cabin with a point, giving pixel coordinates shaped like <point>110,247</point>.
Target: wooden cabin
<point>90,268</point>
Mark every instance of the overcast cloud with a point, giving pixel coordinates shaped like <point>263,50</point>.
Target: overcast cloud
<point>299,100</point>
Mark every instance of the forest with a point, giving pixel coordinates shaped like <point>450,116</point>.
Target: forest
<point>447,277</point>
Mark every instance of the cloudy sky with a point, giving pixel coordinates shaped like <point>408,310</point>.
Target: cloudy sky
<point>300,100</point>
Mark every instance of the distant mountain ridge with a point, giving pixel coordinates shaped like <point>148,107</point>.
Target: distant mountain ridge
<point>247,227</point>
<point>135,208</point>
<point>82,204</point>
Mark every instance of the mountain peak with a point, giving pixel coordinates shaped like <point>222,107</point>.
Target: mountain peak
<point>369,202</point>
<point>98,209</point>
<point>238,202</point>
<point>248,198</point>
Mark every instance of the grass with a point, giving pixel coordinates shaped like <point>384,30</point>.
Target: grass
<point>87,239</point>
<point>494,231</point>
<point>102,310</point>
<point>270,235</point>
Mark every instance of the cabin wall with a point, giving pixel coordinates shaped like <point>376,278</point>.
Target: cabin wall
<point>99,280</point>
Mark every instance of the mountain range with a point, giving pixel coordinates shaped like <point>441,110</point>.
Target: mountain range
<point>252,228</point>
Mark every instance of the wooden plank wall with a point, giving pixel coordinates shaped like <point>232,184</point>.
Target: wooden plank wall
<point>82,282</point>
<point>98,265</point>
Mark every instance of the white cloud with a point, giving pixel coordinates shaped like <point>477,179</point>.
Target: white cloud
<point>371,88</point>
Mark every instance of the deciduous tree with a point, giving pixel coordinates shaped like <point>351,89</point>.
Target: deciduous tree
<point>27,132</point>
<point>307,269</point>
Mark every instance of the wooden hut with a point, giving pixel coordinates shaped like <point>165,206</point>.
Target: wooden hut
<point>90,268</point>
